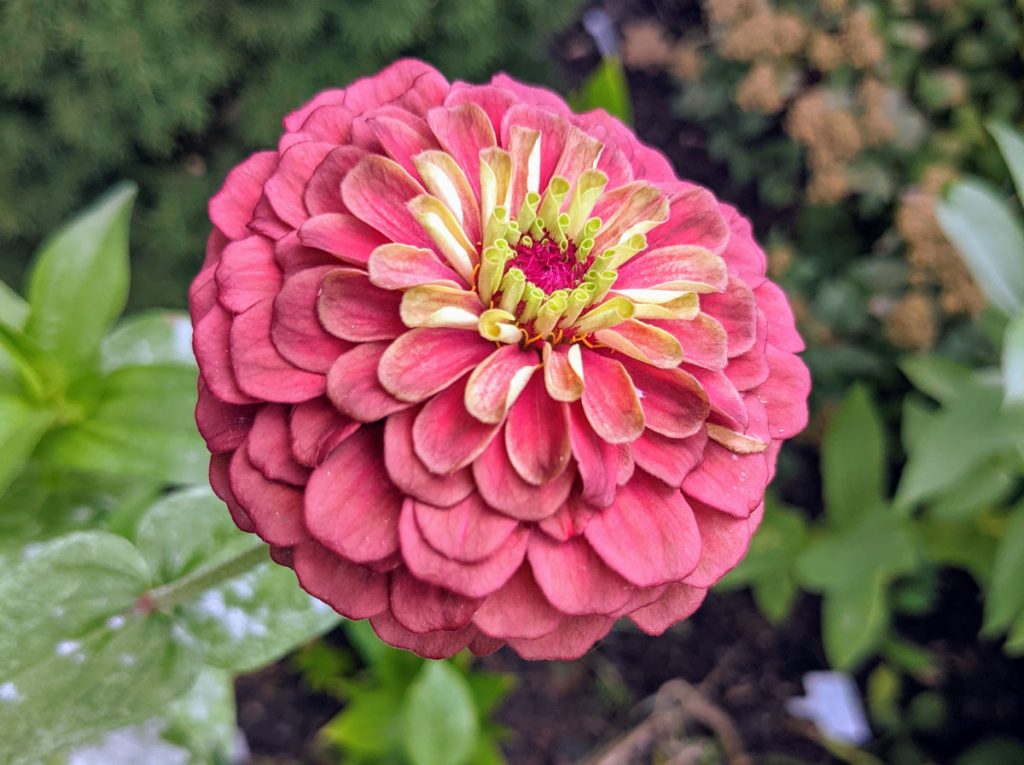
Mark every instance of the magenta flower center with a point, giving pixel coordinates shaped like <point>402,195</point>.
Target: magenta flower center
<point>550,266</point>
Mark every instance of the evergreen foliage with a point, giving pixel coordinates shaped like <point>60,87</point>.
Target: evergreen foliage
<point>171,94</point>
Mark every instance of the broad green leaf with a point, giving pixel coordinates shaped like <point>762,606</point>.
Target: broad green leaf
<point>489,689</point>
<point>439,721</point>
<point>968,545</point>
<point>487,752</point>
<point>989,236</point>
<point>1013,361</point>
<point>853,622</point>
<point>79,281</point>
<point>917,413</point>
<point>13,308</point>
<point>76,656</point>
<point>143,426</point>
<point>38,373</point>
<point>248,620</point>
<point>853,458</point>
<point>941,378</point>
<point>203,720</point>
<point>984,487</point>
<point>369,725</point>
<point>1011,145</point>
<point>153,337</point>
<point>605,88</point>
<point>1014,645</point>
<point>775,597</point>
<point>21,428</point>
<point>993,751</point>
<point>141,744</point>
<point>1005,597</point>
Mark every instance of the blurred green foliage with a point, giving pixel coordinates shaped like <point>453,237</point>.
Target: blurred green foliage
<point>172,94</point>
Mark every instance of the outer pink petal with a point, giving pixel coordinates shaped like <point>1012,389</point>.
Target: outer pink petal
<point>732,483</point>
<point>344,236</point>
<point>726,402</point>
<point>333,97</point>
<point>495,101</point>
<point>695,217</point>
<point>351,506</point>
<point>259,368</point>
<point>781,325</point>
<point>422,607</point>
<point>537,434</point>
<point>275,508</point>
<point>725,539</point>
<point>704,341</point>
<point>231,208</point>
<point>596,460</point>
<point>532,94</point>
<point>377,191</point>
<point>247,273</point>
<point>574,636</point>
<point>736,310</point>
<point>649,535</point>
<point>407,83</point>
<point>743,255</point>
<point>327,121</point>
<point>409,473</point>
<point>609,399</point>
<point>223,426</point>
<point>424,361</point>
<point>440,644</point>
<point>287,184</point>
<point>669,459</point>
<point>674,404</point>
<point>210,343</point>
<point>351,308</point>
<point>517,610</point>
<point>354,591</point>
<point>647,163</point>
<point>296,331</point>
<point>202,293</point>
<point>574,579</point>
<point>293,256</point>
<point>468,532</point>
<point>678,603</point>
<point>570,520</point>
<point>315,428</point>
<point>553,129</point>
<point>323,190</point>
<point>503,489</point>
<point>474,580</point>
<point>784,393</point>
<point>463,131</point>
<point>353,387</point>
<point>396,136</point>
<point>445,436</point>
<point>751,368</point>
<point>269,449</point>
<point>265,221</point>
<point>220,482</point>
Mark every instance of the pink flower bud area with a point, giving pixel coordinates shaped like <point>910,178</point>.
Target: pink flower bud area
<point>484,371</point>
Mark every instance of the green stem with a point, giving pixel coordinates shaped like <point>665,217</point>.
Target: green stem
<point>166,596</point>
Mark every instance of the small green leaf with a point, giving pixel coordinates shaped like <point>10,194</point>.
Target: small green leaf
<point>854,621</point>
<point>1013,361</point>
<point>941,378</point>
<point>1011,145</point>
<point>993,751</point>
<point>853,458</point>
<point>489,689</point>
<point>990,238</point>
<point>13,308</point>
<point>79,281</point>
<point>775,597</point>
<point>605,88</point>
<point>369,725</point>
<point>439,721</point>
<point>203,720</point>
<point>154,337</point>
<point>1005,597</point>
<point>21,428</point>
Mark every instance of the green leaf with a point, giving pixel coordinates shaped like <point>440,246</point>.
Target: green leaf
<point>21,428</point>
<point>854,621</point>
<point>1013,361</point>
<point>153,337</point>
<point>489,689</point>
<point>79,282</point>
<point>13,308</point>
<point>917,413</point>
<point>941,378</point>
<point>369,725</point>
<point>439,722</point>
<point>985,487</point>
<point>203,720</point>
<point>605,88</point>
<point>990,238</point>
<point>143,426</point>
<point>853,458</point>
<point>993,751</point>
<point>1011,145</point>
<point>1005,598</point>
<point>76,657</point>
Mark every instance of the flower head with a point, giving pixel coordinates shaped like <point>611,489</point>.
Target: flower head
<point>485,371</point>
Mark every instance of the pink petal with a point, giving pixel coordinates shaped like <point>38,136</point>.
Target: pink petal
<point>532,94</point>
<point>397,138</point>
<point>353,387</point>
<point>552,128</point>
<point>695,217</point>
<point>781,325</point>
<point>287,184</point>
<point>574,636</point>
<point>315,428</point>
<point>674,404</point>
<point>377,191</point>
<point>445,436</point>
<point>649,535</point>
<point>640,598</point>
<point>474,580</point>
<point>223,426</point>
<point>440,644</point>
<point>503,489</point>
<point>725,541</point>
<point>220,482</point>
<point>574,579</point>
<point>736,310</point>
<point>751,368</point>
<point>732,483</point>
<point>537,434</point>
<point>407,83</point>
<point>259,368</point>
<point>292,256</point>
<point>325,120</point>
<point>517,610</point>
<point>202,293</point>
<point>354,591</point>
<point>231,208</point>
<point>269,447</point>
<point>645,162</point>
<point>422,607</point>
<point>678,603</point>
<point>275,508</point>
<point>784,393</point>
<point>399,266</point>
<point>570,520</point>
<point>463,131</point>
<point>668,265</point>
<point>609,400</point>
<point>247,273</point>
<point>344,236</point>
<point>210,343</point>
<point>265,221</point>
<point>351,506</point>
<point>562,375</point>
<point>333,97</point>
<point>743,255</point>
<point>493,100</point>
<point>498,381</point>
<point>410,475</point>
<point>580,152</point>
<point>596,460</point>
<point>703,339</point>
<point>669,459</point>
<point>468,532</point>
<point>296,331</point>
<point>722,395</point>
<point>323,191</point>
<point>351,308</point>
<point>482,645</point>
<point>424,361</point>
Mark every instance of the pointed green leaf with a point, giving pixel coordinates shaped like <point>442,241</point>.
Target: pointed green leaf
<point>439,721</point>
<point>79,281</point>
<point>853,458</point>
<point>605,88</point>
<point>1005,598</point>
<point>1011,145</point>
<point>153,337</point>
<point>989,236</point>
<point>1013,361</point>
<point>854,621</point>
<point>941,378</point>
<point>203,721</point>
<point>21,428</point>
<point>13,308</point>
<point>369,725</point>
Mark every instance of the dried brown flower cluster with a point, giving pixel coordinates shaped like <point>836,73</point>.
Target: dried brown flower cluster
<point>646,44</point>
<point>911,323</point>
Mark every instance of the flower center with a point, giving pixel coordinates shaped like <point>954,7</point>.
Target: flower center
<point>549,265</point>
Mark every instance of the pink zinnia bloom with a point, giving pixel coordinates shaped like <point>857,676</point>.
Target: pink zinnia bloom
<point>484,371</point>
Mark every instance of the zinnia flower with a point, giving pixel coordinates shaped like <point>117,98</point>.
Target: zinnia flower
<point>484,371</point>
